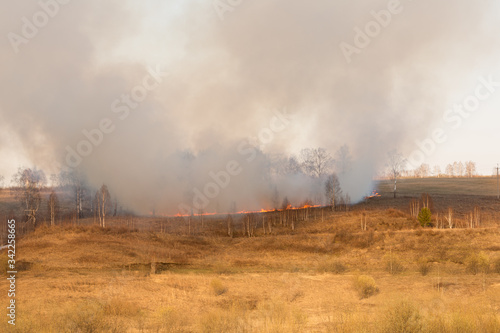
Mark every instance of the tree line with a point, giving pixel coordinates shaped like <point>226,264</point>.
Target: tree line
<point>40,196</point>
<point>458,169</point>
<point>29,187</point>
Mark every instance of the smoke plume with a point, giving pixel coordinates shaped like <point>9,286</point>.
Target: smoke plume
<point>225,91</point>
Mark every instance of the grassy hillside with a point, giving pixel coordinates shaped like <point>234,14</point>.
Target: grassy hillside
<point>180,274</point>
<point>481,186</point>
<point>317,278</point>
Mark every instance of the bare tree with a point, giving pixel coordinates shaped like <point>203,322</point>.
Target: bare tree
<point>475,217</point>
<point>115,206</point>
<point>458,169</point>
<point>316,162</point>
<point>333,191</point>
<point>461,169</point>
<point>103,204</point>
<point>363,221</point>
<point>423,171</point>
<point>293,166</point>
<point>284,211</point>
<point>449,217</point>
<point>343,160</point>
<point>346,201</point>
<point>414,208</point>
<point>285,165</point>
<point>436,171</point>
<point>450,171</point>
<point>75,179</point>
<point>53,207</point>
<point>28,185</point>
<point>396,165</point>
<point>229,225</point>
<point>1,181</point>
<point>470,169</point>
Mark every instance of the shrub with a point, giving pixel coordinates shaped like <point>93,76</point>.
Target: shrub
<point>121,307</point>
<point>365,286</point>
<point>404,317</point>
<point>278,317</point>
<point>496,265</point>
<point>218,287</point>
<point>363,240</point>
<point>89,318</point>
<point>477,263</point>
<point>393,264</point>
<point>169,319</point>
<point>223,321</point>
<point>477,320</point>
<point>395,213</point>
<point>332,266</point>
<point>423,266</point>
<point>424,217</point>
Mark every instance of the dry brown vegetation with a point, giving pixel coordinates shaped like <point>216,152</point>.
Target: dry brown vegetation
<point>325,276</point>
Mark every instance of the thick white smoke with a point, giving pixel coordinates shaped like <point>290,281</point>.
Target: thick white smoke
<point>165,136</point>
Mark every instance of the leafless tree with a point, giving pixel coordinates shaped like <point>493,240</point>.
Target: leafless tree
<point>461,169</point>
<point>75,179</point>
<point>449,217</point>
<point>427,201</point>
<point>316,162</point>
<point>333,191</point>
<point>103,204</point>
<point>458,169</point>
<point>53,207</point>
<point>115,206</point>
<point>293,166</point>
<point>396,164</point>
<point>436,171</point>
<point>28,184</point>
<point>1,181</point>
<point>343,160</point>
<point>363,221</point>
<point>346,201</point>
<point>470,169</point>
<point>414,208</point>
<point>229,226</point>
<point>285,165</point>
<point>450,171</point>
<point>423,171</point>
<point>475,217</point>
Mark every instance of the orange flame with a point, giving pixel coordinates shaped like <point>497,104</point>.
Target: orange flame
<point>263,210</point>
<point>373,195</point>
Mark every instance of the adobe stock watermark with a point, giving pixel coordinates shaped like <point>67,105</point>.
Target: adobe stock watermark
<point>31,26</point>
<point>221,7</point>
<point>372,29</point>
<point>121,107</point>
<point>454,117</point>
<point>247,149</point>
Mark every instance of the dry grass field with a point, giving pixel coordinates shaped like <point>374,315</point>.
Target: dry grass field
<point>145,274</point>
<point>480,186</point>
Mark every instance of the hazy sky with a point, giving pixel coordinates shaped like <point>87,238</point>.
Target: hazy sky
<point>376,75</point>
